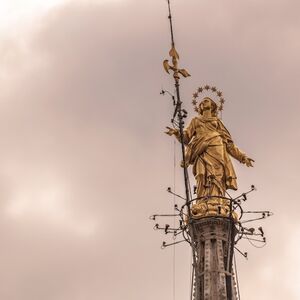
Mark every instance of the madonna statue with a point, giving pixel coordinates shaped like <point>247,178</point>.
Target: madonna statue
<point>208,147</point>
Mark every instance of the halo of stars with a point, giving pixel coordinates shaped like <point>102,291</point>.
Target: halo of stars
<point>207,88</point>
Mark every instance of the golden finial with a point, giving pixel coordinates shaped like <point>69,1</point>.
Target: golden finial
<point>175,57</point>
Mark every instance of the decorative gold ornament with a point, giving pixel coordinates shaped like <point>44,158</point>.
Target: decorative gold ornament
<point>175,57</point>
<point>213,207</point>
<point>213,89</point>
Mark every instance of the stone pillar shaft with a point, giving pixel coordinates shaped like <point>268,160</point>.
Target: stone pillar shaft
<point>212,241</point>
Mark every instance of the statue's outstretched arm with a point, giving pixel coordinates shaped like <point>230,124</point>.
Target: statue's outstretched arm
<point>187,133</point>
<point>232,149</point>
<point>235,152</point>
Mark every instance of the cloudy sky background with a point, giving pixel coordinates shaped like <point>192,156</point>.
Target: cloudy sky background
<point>83,158</point>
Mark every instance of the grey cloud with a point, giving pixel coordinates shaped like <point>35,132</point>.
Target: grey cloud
<point>81,115</point>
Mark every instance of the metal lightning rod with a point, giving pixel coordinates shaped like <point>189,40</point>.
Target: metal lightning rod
<point>178,110</point>
<point>179,113</point>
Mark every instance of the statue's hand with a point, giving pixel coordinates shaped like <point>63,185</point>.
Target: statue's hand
<point>248,161</point>
<point>171,131</point>
<point>182,164</point>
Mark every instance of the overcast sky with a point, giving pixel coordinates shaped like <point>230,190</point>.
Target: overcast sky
<point>84,160</point>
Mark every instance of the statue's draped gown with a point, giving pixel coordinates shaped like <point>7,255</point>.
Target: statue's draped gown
<point>208,146</point>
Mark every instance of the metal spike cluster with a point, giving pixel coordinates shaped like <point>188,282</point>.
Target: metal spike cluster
<point>255,236</point>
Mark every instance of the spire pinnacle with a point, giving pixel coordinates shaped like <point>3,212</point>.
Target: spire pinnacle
<point>174,55</point>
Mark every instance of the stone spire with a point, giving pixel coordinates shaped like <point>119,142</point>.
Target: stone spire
<point>211,221</point>
<point>213,280</point>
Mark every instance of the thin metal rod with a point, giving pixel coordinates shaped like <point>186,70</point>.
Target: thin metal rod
<point>178,112</point>
<point>171,24</point>
<point>243,254</point>
<point>192,282</point>
<point>180,119</point>
<point>230,247</point>
<point>237,278</point>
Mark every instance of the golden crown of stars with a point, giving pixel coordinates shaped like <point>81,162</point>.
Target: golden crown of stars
<point>208,88</point>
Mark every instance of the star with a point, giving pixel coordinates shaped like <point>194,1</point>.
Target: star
<point>195,95</point>
<point>214,89</point>
<point>207,87</point>
<point>200,90</point>
<point>219,93</point>
<point>194,101</point>
<point>222,100</point>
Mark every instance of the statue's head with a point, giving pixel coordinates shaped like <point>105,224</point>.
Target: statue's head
<point>208,104</point>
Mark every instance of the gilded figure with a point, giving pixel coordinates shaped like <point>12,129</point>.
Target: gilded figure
<point>208,147</point>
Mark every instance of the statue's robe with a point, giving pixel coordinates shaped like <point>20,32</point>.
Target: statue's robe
<point>208,146</point>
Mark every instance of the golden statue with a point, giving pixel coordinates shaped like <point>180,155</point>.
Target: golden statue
<point>208,146</point>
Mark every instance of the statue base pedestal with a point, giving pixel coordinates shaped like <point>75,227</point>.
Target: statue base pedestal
<point>213,207</point>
